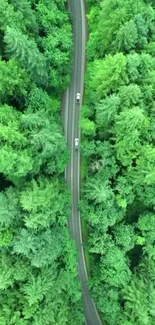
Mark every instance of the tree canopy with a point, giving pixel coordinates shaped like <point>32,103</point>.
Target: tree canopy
<point>118,159</point>
<point>38,260</point>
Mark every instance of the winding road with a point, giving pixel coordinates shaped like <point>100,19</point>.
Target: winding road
<point>71,111</point>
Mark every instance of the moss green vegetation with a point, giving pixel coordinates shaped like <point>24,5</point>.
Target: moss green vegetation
<point>117,121</point>
<point>38,260</point>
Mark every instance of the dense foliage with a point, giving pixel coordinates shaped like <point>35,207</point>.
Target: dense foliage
<point>38,268</point>
<point>119,150</point>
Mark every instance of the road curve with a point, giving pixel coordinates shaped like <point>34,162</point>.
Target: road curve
<point>71,111</point>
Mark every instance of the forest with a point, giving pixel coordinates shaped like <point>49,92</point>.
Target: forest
<point>118,150</point>
<point>38,259</point>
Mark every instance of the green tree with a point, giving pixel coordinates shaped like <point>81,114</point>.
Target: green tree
<point>35,289</point>
<point>108,303</point>
<point>99,191</point>
<point>9,17</point>
<point>10,210</point>
<point>136,301</point>
<point>44,202</point>
<point>87,126</point>
<point>131,126</point>
<point>48,147</point>
<point>114,268</point>
<point>39,99</point>
<point>125,237</point>
<point>87,148</point>
<point>57,43</point>
<point>130,95</point>
<point>118,198</point>
<point>6,273</point>
<point>106,111</point>
<point>125,191</point>
<point>14,80</point>
<point>23,8</point>
<point>6,237</point>
<point>26,52</point>
<point>146,224</point>
<point>15,159</point>
<point>38,260</point>
<point>115,19</point>
<point>106,76</point>
<point>127,37</point>
<point>143,177</point>
<point>36,245</point>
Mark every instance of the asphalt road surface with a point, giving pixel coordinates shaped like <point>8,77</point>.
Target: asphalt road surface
<point>71,111</point>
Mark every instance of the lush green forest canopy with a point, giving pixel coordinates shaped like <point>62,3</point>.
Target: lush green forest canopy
<point>38,267</point>
<point>118,125</point>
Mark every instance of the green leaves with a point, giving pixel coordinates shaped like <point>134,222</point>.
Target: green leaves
<point>6,237</point>
<point>136,301</point>
<point>131,126</point>
<point>27,143</point>
<point>125,237</point>
<point>6,273</point>
<point>15,160</point>
<point>26,52</point>
<point>105,76</point>
<point>38,261</point>
<point>10,127</point>
<point>15,164</point>
<point>118,197</point>
<point>124,24</point>
<point>106,111</point>
<point>99,192</point>
<point>13,80</point>
<point>57,43</point>
<point>10,211</point>
<point>8,16</point>
<point>34,290</point>
<point>114,269</point>
<point>37,246</point>
<point>130,95</point>
<point>87,126</point>
<point>127,37</point>
<point>146,224</point>
<point>44,203</point>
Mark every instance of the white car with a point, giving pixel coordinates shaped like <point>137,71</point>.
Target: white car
<point>76,142</point>
<point>78,96</point>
